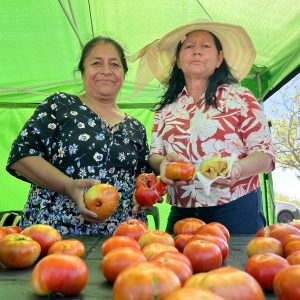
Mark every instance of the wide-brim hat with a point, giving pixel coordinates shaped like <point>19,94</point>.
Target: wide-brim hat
<point>158,57</point>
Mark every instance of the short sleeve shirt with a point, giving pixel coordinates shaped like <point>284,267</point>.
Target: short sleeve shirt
<point>79,143</point>
<point>198,131</point>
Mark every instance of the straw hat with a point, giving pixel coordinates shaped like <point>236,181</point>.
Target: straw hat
<point>158,57</point>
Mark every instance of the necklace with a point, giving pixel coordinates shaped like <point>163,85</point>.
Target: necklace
<point>110,117</point>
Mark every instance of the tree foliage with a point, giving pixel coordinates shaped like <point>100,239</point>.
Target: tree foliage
<point>286,126</point>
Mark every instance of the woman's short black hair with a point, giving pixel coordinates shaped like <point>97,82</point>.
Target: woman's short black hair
<point>95,41</point>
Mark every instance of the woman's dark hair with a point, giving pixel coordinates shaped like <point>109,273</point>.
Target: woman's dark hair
<point>176,82</point>
<point>99,39</point>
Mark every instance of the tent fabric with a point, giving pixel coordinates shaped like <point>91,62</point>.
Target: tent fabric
<point>41,42</point>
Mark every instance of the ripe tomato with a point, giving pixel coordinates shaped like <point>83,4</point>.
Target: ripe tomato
<point>12,229</point>
<point>180,268</point>
<point>156,236</point>
<point>149,189</point>
<point>294,258</point>
<point>264,267</point>
<point>291,246</point>
<point>223,228</point>
<point>145,281</point>
<point>211,230</point>
<point>286,283</point>
<point>59,273</point>
<point>44,234</point>
<point>192,293</point>
<point>175,255</point>
<point>180,170</point>
<point>195,280</point>
<point>187,225</point>
<point>278,231</point>
<point>221,243</point>
<point>115,242</point>
<point>152,250</point>
<point>230,283</point>
<point>264,245</point>
<point>204,255</point>
<point>180,240</point>
<point>69,247</point>
<point>118,259</point>
<point>18,251</point>
<point>132,227</point>
<point>103,199</point>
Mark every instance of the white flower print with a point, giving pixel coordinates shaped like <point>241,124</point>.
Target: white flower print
<point>51,125</point>
<point>91,169</point>
<point>53,106</point>
<point>80,125</point>
<point>41,115</point>
<point>98,157</point>
<point>24,133</point>
<point>74,113</point>
<point>91,122</point>
<point>84,137</point>
<point>82,172</point>
<point>121,156</point>
<point>73,149</point>
<point>203,128</point>
<point>61,151</point>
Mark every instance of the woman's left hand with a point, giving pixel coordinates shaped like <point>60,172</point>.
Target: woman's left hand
<point>136,207</point>
<point>235,174</point>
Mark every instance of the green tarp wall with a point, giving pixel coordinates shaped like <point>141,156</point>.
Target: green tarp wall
<point>41,42</point>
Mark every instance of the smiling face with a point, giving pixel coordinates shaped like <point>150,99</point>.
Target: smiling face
<point>199,56</point>
<point>103,71</point>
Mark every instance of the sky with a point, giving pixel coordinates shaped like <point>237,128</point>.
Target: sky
<point>284,182</point>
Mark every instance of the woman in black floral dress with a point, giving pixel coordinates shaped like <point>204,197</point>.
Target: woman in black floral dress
<point>72,142</point>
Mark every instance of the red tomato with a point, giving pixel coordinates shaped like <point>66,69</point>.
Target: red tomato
<point>264,267</point>
<point>295,224</point>
<point>18,251</point>
<point>175,255</point>
<point>180,268</point>
<point>132,227</point>
<point>115,242</point>
<point>291,246</point>
<point>230,283</point>
<point>223,228</point>
<point>156,236</point>
<point>149,189</point>
<point>44,234</point>
<point>180,240</point>
<point>187,225</point>
<point>204,255</point>
<point>118,259</point>
<point>59,273</point>
<point>286,283</point>
<point>192,293</point>
<point>12,229</point>
<point>152,250</point>
<point>195,280</point>
<point>294,258</point>
<point>264,245</point>
<point>180,170</point>
<point>103,199</point>
<point>221,243</point>
<point>212,230</point>
<point>278,231</point>
<point>69,247</point>
<point>145,281</point>
<point>3,232</point>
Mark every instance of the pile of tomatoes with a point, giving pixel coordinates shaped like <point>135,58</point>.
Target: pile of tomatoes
<point>59,267</point>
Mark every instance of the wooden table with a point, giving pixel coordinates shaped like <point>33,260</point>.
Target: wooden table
<point>15,284</point>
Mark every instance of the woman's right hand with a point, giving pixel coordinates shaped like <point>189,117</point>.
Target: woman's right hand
<point>75,189</point>
<point>170,157</point>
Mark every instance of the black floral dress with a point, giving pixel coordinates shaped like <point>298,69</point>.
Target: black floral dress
<point>78,142</point>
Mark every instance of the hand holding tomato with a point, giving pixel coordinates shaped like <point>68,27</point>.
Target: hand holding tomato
<point>149,189</point>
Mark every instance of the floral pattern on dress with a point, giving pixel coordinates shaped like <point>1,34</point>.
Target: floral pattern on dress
<point>80,144</point>
<point>198,131</point>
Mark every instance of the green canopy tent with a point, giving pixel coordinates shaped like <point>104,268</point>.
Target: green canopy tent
<point>41,42</point>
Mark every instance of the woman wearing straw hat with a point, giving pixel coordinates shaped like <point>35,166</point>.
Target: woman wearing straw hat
<point>205,113</point>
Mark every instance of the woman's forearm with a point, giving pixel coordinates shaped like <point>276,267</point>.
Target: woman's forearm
<point>154,161</point>
<point>41,173</point>
<point>255,163</point>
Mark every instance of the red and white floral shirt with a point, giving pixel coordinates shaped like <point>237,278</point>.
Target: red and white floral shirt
<point>198,131</point>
